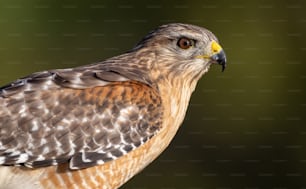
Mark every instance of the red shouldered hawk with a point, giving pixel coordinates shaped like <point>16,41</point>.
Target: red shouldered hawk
<point>96,126</point>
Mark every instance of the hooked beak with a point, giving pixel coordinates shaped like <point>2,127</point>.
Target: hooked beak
<point>219,58</point>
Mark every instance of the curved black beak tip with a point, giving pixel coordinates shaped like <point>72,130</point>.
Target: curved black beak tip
<point>220,58</point>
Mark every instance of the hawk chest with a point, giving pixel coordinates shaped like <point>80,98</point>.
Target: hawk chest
<point>175,101</point>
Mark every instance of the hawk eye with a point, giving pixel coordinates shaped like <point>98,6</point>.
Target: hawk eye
<point>185,43</point>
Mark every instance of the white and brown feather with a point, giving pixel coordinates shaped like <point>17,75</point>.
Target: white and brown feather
<point>82,126</point>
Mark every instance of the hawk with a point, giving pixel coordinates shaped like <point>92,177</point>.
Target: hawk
<point>96,126</point>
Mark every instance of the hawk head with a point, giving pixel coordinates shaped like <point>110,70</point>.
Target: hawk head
<point>184,47</point>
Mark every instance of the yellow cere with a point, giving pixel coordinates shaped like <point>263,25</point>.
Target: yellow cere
<point>215,47</point>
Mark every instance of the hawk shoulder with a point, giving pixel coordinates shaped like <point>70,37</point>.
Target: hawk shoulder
<point>83,117</point>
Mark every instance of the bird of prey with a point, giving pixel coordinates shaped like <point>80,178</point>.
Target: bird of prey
<point>97,125</point>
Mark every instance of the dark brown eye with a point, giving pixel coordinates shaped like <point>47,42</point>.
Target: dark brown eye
<point>185,43</point>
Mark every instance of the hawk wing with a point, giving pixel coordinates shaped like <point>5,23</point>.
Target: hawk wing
<point>84,116</point>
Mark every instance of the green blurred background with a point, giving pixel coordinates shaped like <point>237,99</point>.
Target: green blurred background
<point>245,128</point>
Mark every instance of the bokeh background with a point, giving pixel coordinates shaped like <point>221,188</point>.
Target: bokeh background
<point>245,128</point>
